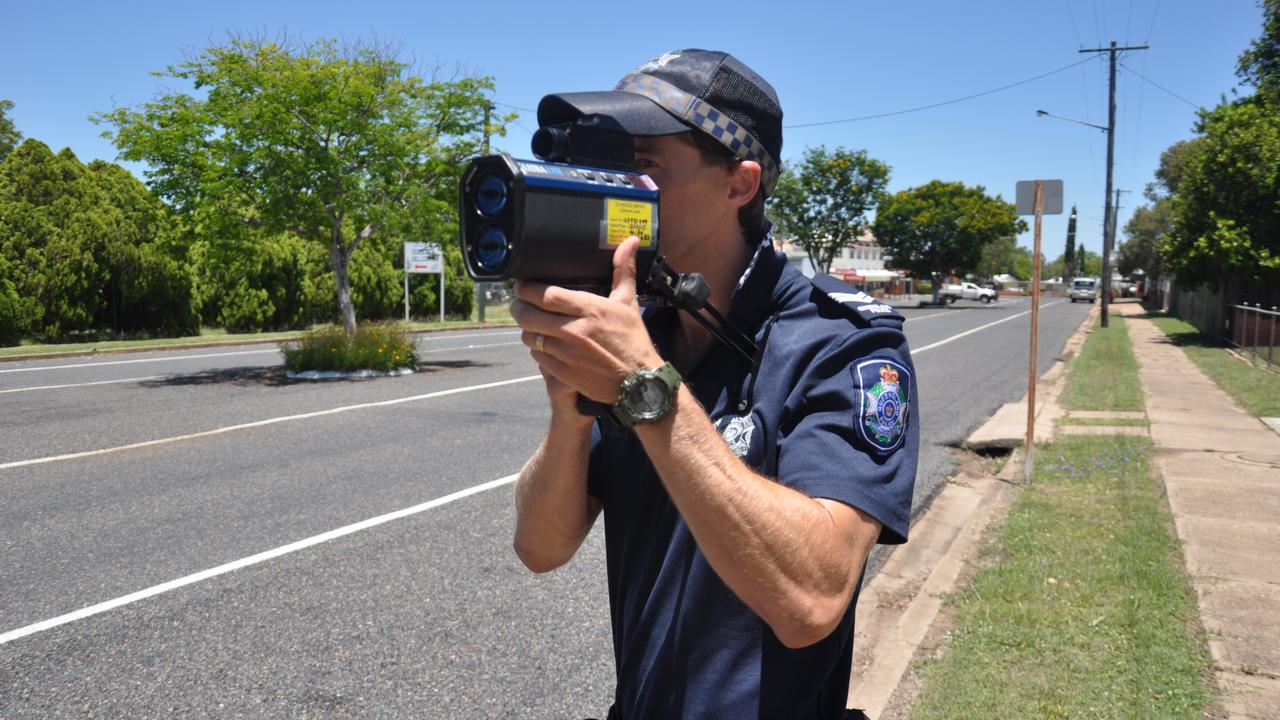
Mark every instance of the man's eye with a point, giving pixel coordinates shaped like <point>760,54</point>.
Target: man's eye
<point>645,164</point>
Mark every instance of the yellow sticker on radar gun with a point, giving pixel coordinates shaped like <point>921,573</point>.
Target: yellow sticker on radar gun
<point>624,218</point>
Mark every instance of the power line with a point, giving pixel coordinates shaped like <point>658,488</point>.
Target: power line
<point>940,104</point>
<point>513,107</point>
<point>1153,22</point>
<point>1161,87</point>
<point>1074,29</point>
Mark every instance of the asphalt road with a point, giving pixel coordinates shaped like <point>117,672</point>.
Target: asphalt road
<point>182,530</point>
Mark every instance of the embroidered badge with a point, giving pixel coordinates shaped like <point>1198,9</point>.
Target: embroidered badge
<point>659,61</point>
<point>737,432</point>
<point>882,418</point>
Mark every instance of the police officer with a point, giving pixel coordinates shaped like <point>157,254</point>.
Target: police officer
<point>741,498</point>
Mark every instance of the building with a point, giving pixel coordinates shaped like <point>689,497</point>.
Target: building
<point>862,265</point>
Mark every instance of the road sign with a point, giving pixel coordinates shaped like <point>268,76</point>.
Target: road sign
<point>1026,197</point>
<point>423,258</point>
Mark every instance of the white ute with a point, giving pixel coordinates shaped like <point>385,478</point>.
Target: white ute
<point>966,291</point>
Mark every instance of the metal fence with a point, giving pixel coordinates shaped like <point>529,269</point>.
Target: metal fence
<point>1254,329</point>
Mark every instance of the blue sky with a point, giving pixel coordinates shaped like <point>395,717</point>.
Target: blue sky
<point>63,61</point>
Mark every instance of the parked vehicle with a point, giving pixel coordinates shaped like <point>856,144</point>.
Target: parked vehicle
<point>1083,288</point>
<point>966,291</point>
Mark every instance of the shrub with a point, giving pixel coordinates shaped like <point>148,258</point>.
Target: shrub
<point>376,346</point>
<point>924,287</point>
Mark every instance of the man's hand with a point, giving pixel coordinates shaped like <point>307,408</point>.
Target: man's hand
<point>589,344</point>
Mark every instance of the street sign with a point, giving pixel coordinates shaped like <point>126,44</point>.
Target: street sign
<point>423,258</point>
<point>1026,197</point>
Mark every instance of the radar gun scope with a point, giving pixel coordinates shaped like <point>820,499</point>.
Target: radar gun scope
<point>558,219</point>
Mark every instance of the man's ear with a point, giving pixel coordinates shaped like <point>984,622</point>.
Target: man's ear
<point>744,182</point>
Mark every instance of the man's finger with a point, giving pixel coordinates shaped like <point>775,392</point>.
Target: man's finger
<point>553,298</point>
<point>624,271</point>
<point>538,321</point>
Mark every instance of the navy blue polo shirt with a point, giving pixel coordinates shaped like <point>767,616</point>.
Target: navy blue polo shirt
<point>832,413</point>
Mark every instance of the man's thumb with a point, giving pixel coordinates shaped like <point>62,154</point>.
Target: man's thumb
<point>624,271</point>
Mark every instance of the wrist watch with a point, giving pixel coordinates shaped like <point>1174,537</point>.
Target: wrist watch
<point>646,396</point>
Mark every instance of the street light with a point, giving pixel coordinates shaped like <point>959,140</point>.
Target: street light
<point>1044,113</point>
<point>1108,232</point>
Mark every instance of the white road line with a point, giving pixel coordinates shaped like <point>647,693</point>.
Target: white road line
<point>214,355</point>
<point>248,561</point>
<point>268,421</point>
<point>140,360</point>
<point>85,384</point>
<point>157,377</point>
<point>940,343</point>
<point>473,347</point>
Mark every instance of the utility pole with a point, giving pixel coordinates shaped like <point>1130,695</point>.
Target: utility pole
<point>1108,236</point>
<point>480,286</point>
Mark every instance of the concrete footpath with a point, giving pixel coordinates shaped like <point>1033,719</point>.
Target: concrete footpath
<point>1221,471</point>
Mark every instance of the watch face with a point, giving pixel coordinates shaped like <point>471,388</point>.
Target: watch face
<point>651,396</point>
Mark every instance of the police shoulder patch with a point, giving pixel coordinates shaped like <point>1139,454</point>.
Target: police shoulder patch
<point>883,387</point>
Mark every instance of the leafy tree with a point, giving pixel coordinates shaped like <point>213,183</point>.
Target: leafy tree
<point>1083,267</point>
<point>82,247</point>
<point>824,202</point>
<point>940,228</point>
<point>1145,230</point>
<point>336,145</point>
<point>1070,255</point>
<point>9,135</point>
<point>1226,210</point>
<point>1259,65</point>
<point>1004,256</point>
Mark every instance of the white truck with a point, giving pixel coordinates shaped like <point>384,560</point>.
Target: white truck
<point>966,291</point>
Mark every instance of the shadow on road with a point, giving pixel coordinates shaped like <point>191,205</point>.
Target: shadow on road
<point>276,377</point>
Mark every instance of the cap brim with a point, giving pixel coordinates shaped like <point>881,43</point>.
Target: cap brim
<point>626,112</point>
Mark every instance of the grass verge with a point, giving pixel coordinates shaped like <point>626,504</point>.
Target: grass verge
<point>1257,390</point>
<point>1105,375</point>
<point>1081,607</point>
<point>1105,422</point>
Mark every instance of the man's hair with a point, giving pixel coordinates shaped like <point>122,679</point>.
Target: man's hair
<point>750,216</point>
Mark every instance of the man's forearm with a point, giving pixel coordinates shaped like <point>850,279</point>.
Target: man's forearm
<point>792,559</point>
<point>553,511</point>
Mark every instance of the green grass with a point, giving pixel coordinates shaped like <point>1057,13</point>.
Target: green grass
<point>1256,389</point>
<point>1105,375</point>
<point>1081,608</point>
<point>1107,422</point>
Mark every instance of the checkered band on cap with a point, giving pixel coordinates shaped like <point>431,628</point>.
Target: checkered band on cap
<point>700,114</point>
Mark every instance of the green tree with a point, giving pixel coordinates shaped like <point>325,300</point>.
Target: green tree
<point>1226,210</point>
<point>1082,266</point>
<point>824,202</point>
<point>1004,256</point>
<point>336,145</point>
<point>940,228</point>
<point>9,135</point>
<point>1069,256</point>
<point>1259,65</point>
<point>84,243</point>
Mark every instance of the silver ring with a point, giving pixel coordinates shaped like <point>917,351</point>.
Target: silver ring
<point>537,342</point>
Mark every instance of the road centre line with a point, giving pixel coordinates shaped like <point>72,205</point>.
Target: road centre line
<point>213,355</point>
<point>139,360</point>
<point>272,421</point>
<point>268,421</point>
<point>158,377</point>
<point>85,384</point>
<point>251,560</point>
<point>957,336</point>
